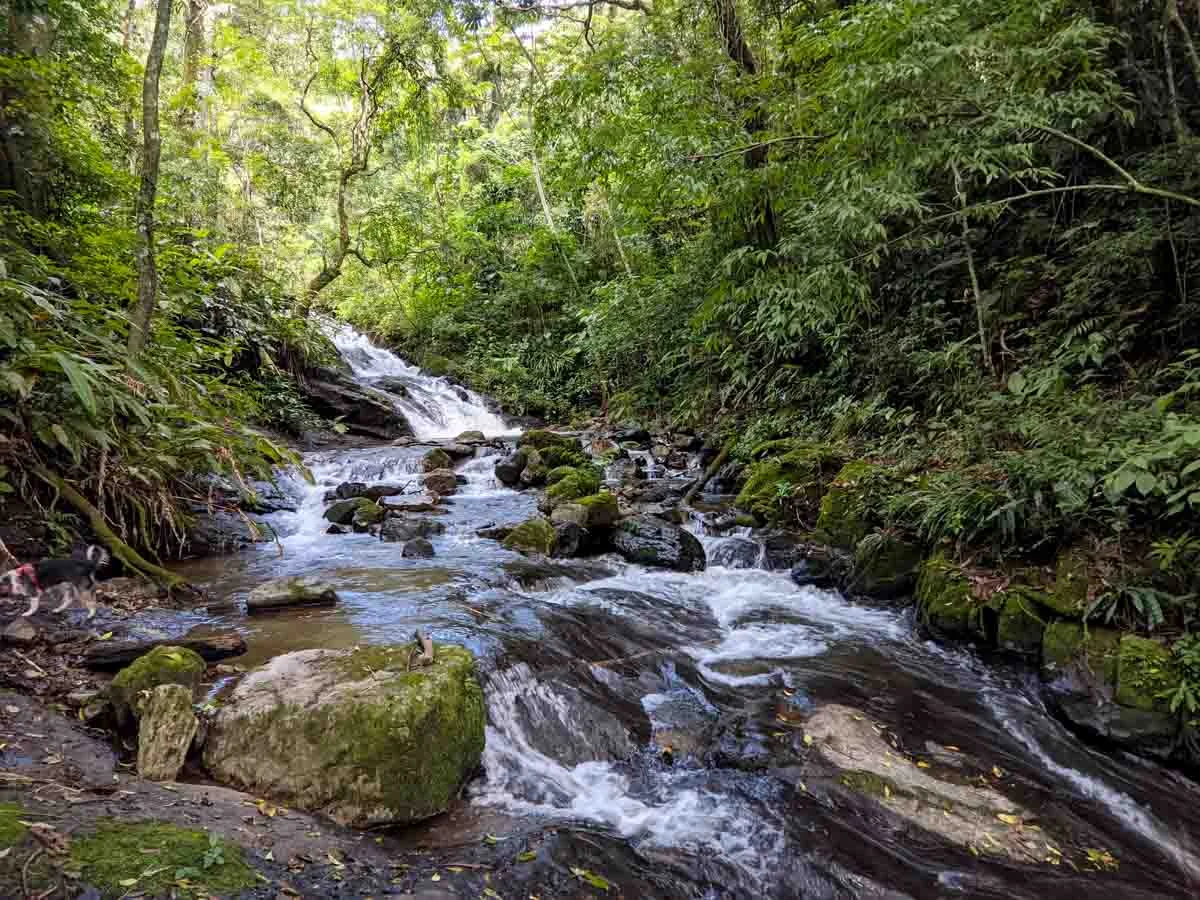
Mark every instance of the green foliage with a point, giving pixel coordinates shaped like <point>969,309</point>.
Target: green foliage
<point>1185,697</point>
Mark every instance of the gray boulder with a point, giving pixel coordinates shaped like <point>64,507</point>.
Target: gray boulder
<point>653,542</point>
<point>509,468</point>
<point>441,481</point>
<point>735,553</point>
<point>401,530</point>
<point>165,730</point>
<point>417,548</point>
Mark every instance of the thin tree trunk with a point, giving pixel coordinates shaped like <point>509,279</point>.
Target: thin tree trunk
<point>612,221</point>
<point>541,190</point>
<point>148,190</point>
<point>763,227</point>
<point>984,349</point>
<point>193,50</point>
<point>127,30</point>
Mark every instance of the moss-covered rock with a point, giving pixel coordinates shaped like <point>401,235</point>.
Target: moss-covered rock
<point>365,736</point>
<point>153,854</point>
<point>1146,674</point>
<point>535,470</point>
<point>1019,623</point>
<point>534,535</point>
<point>554,476</point>
<point>1065,644</point>
<point>162,665</point>
<point>440,481</point>
<point>541,438</point>
<point>885,565</point>
<point>368,514</point>
<point>595,512</point>
<point>436,459</point>
<point>944,599</point>
<point>1068,597</point>
<point>11,830</point>
<point>575,483</point>
<point>293,590</point>
<point>845,518</point>
<point>800,474</point>
<point>343,512</point>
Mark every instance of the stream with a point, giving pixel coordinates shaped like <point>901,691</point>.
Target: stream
<point>663,712</point>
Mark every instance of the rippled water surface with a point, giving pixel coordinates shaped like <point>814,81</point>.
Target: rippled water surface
<point>666,710</point>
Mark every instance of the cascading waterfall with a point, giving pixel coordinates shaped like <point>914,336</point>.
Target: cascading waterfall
<point>434,407</point>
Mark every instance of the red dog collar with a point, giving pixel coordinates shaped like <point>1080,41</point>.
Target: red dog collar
<point>30,572</point>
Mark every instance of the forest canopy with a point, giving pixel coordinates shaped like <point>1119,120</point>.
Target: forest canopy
<point>957,236</point>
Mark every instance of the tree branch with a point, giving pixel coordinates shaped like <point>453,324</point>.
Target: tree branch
<point>791,138</point>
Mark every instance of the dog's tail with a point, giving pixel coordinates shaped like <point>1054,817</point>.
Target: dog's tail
<point>98,556</point>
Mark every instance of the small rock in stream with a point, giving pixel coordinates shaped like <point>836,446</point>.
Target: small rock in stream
<point>165,731</point>
<point>417,548</point>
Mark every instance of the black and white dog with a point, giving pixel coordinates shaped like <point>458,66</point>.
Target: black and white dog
<point>75,579</point>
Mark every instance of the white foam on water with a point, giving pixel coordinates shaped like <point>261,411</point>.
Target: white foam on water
<point>668,812</point>
<point>433,406</point>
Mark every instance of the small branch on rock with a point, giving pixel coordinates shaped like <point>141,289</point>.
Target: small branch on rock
<point>709,472</point>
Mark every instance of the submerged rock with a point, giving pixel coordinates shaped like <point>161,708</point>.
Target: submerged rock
<point>354,735</point>
<point>735,553</point>
<point>162,665</point>
<point>417,548</point>
<point>400,530</point>
<point>165,732</point>
<point>343,512</point>
<point>653,542</point>
<point>291,591</point>
<point>978,818</point>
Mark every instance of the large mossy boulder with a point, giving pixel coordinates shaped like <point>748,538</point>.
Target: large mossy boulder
<point>534,535</point>
<point>654,542</point>
<point>1146,674</point>
<point>569,483</point>
<point>471,437</point>
<point>296,590</point>
<point>436,459</point>
<point>344,512</point>
<point>1069,596</point>
<point>594,513</point>
<point>356,735</point>
<point>885,566</point>
<point>541,438</point>
<point>535,470</point>
<point>944,600</point>
<point>804,468</point>
<point>1019,621</point>
<point>162,665</point>
<point>845,517</point>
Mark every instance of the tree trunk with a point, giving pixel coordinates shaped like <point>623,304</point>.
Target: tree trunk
<point>127,31</point>
<point>148,191</point>
<point>193,50</point>
<point>763,230</point>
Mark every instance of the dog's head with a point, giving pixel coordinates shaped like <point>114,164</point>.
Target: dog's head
<point>17,582</point>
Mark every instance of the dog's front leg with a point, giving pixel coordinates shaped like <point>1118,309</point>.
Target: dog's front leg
<point>34,602</point>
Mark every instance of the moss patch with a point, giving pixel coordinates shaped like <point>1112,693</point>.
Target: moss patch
<point>532,536</point>
<point>162,665</point>
<point>885,565</point>
<point>541,439</point>
<point>554,476</point>
<point>944,599</point>
<point>11,829</point>
<point>1069,595</point>
<point>574,484</point>
<point>117,852</point>
<point>845,519</point>
<point>436,458</point>
<point>798,476</point>
<point>601,510</point>
<point>1066,643</point>
<point>1019,626</point>
<point>557,456</point>
<point>1146,672</point>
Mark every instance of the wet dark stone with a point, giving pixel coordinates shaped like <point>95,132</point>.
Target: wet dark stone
<point>653,542</point>
<point>417,548</point>
<point>509,469</point>
<point>735,553</point>
<point>569,539</point>
<point>401,529</point>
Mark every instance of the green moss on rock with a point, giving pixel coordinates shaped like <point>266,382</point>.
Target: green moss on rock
<point>845,519</point>
<point>601,510</point>
<point>534,535</point>
<point>886,566</point>
<point>576,483</point>
<point>154,855</point>
<point>1068,643</point>
<point>437,458</point>
<point>368,513</point>
<point>541,439</point>
<point>802,471</point>
<point>1146,674</point>
<point>1019,625</point>
<point>1068,598</point>
<point>944,599</point>
<point>11,830</point>
<point>365,736</point>
<point>554,476</point>
<point>162,665</point>
<point>556,457</point>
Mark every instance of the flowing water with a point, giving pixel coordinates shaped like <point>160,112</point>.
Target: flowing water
<point>664,712</point>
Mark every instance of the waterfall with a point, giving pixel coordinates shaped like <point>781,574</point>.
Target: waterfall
<point>434,406</point>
